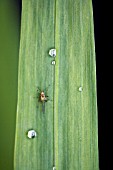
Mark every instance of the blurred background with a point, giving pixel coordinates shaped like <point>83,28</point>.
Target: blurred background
<point>10,13</point>
<point>10,22</point>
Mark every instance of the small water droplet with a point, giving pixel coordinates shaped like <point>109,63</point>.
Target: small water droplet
<point>53,62</point>
<point>80,89</point>
<point>31,134</point>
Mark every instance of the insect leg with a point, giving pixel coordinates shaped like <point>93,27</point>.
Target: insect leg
<point>46,89</point>
<point>48,99</point>
<point>38,89</point>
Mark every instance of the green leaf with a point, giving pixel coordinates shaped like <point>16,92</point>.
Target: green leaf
<point>67,130</point>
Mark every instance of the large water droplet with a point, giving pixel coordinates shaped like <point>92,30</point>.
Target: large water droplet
<point>31,134</point>
<point>52,52</point>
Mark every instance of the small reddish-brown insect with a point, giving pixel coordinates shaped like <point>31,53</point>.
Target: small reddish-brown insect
<point>42,97</point>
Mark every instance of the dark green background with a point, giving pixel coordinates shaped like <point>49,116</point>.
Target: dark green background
<point>9,49</point>
<point>9,52</point>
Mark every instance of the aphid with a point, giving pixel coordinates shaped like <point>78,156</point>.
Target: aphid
<point>42,97</point>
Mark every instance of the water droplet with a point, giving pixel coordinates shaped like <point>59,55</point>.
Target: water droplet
<point>52,52</point>
<point>53,62</point>
<point>31,134</point>
<point>80,89</point>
